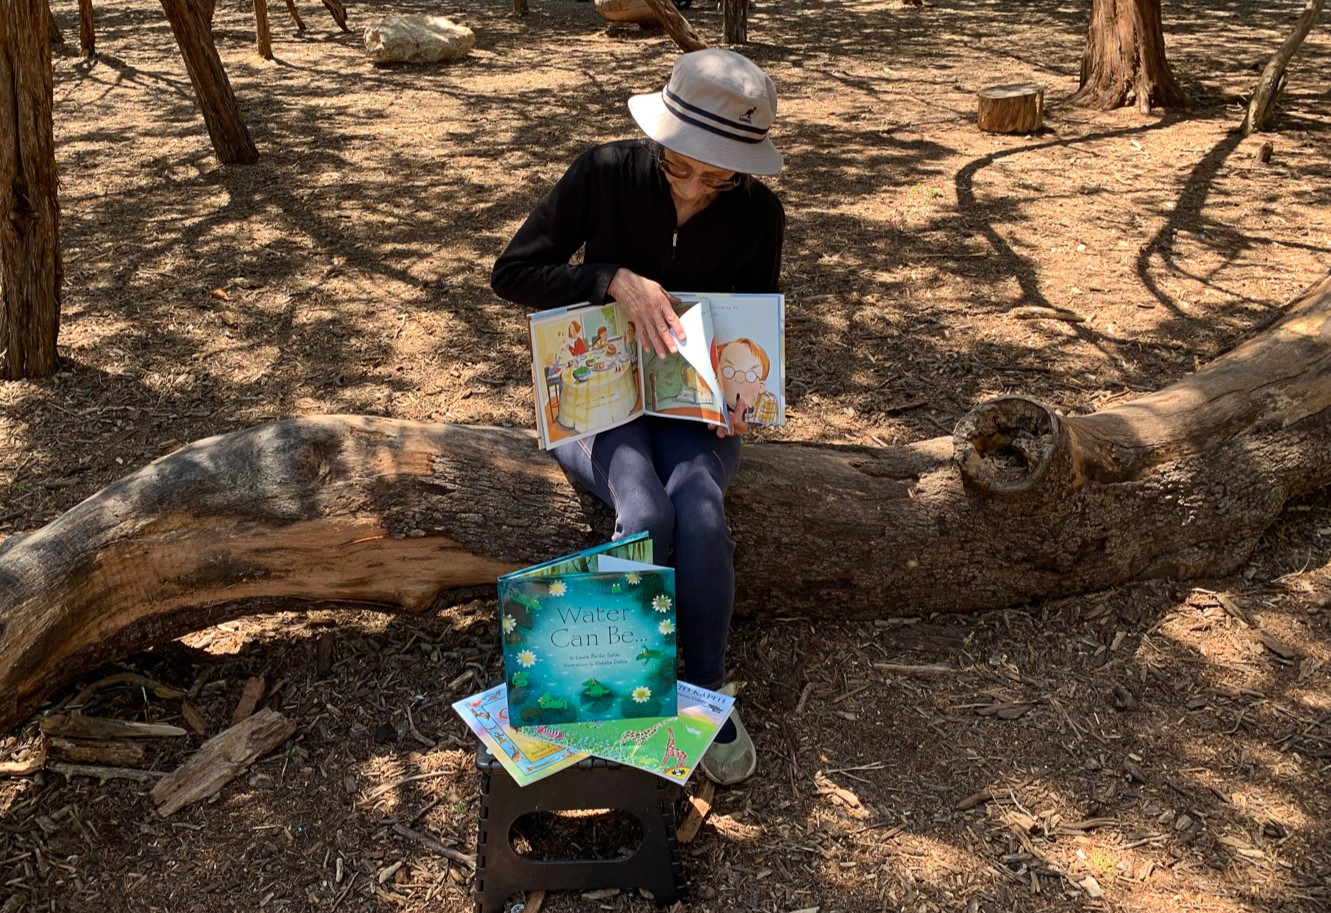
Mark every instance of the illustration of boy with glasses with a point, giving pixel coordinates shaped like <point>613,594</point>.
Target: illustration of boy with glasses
<point>743,365</point>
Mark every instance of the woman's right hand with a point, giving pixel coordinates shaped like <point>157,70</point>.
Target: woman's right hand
<point>649,308</point>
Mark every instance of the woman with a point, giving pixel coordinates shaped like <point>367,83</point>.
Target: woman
<point>678,210</point>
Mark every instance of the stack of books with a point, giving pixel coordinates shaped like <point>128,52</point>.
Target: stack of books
<point>589,669</point>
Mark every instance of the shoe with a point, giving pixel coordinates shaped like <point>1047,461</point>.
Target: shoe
<point>726,764</point>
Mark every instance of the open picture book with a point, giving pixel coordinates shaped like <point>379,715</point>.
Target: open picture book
<point>590,370</point>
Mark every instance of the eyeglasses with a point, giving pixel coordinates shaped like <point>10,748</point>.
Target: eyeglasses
<point>730,373</point>
<point>681,173</point>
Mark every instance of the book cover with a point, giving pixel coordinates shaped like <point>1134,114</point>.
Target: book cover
<point>590,637</point>
<point>526,758</point>
<point>591,372</point>
<point>668,746</point>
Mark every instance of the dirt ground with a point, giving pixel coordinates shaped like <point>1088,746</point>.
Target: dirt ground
<point>1158,747</point>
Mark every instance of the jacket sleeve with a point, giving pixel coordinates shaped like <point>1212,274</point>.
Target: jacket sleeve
<point>534,270</point>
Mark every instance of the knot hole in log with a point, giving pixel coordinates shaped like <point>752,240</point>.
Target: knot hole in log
<point>1006,445</point>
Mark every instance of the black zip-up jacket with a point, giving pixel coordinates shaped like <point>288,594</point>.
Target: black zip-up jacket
<point>615,200</point>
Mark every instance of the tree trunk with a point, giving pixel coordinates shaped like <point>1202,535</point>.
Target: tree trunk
<point>263,35</point>
<point>1124,61</point>
<point>736,28</point>
<point>338,12</point>
<point>1273,77</point>
<point>87,37</point>
<point>1019,504</point>
<point>30,264</point>
<point>52,29</point>
<point>221,113</point>
<point>295,15</point>
<point>676,26</point>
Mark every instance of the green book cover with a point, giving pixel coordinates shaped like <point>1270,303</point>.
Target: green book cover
<point>590,637</point>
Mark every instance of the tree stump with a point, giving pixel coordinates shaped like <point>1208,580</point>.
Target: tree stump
<point>1017,108</point>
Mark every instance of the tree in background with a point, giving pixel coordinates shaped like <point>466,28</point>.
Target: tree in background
<point>1124,61</point>
<point>30,264</point>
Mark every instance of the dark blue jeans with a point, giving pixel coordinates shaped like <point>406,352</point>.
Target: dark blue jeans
<point>669,477</point>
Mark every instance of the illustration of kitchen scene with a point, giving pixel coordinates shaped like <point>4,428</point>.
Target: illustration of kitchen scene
<point>591,378</point>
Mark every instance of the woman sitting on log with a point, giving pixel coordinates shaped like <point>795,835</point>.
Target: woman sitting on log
<point>677,210</point>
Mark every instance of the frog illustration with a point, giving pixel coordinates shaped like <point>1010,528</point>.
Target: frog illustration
<point>648,654</point>
<point>548,702</point>
<point>520,679</point>
<point>594,689</point>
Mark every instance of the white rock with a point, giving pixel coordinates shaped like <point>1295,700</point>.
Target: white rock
<point>418,39</point>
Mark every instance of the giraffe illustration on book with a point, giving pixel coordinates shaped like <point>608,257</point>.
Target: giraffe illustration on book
<point>672,753</point>
<point>639,737</point>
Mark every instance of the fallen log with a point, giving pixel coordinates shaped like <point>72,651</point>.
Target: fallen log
<point>1019,504</point>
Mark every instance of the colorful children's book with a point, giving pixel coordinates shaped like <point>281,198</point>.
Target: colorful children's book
<point>668,746</point>
<point>527,759</point>
<point>590,637</point>
<point>592,372</point>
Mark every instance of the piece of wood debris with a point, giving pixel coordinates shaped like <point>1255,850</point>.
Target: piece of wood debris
<point>1036,312</point>
<point>434,845</point>
<point>125,678</point>
<point>104,773</point>
<point>700,804</point>
<point>533,902</point>
<point>1283,650</point>
<point>840,796</point>
<point>193,718</point>
<point>25,768</point>
<point>974,799</point>
<point>1005,710</point>
<point>249,698</point>
<point>77,726</point>
<point>1091,887</point>
<point>907,669</point>
<point>1232,606</point>
<point>113,752</point>
<point>221,759</point>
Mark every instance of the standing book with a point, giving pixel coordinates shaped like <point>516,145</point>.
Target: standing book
<point>590,370</point>
<point>590,636</point>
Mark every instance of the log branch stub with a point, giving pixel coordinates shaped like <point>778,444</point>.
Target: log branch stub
<point>1007,445</point>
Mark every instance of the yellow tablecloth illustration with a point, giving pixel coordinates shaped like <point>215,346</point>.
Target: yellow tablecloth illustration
<point>606,395</point>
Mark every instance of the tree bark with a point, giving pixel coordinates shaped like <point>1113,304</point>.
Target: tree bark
<point>736,26</point>
<point>676,26</point>
<point>1019,504</point>
<point>520,7</point>
<point>221,114</point>
<point>1273,76</point>
<point>31,270</point>
<point>87,35</point>
<point>263,35</point>
<point>1124,62</point>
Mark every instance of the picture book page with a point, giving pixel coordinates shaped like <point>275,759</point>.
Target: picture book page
<point>684,384</point>
<point>749,346</point>
<point>668,746</point>
<point>525,757</point>
<point>584,372</point>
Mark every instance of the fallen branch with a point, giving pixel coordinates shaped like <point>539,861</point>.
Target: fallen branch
<point>1019,503</point>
